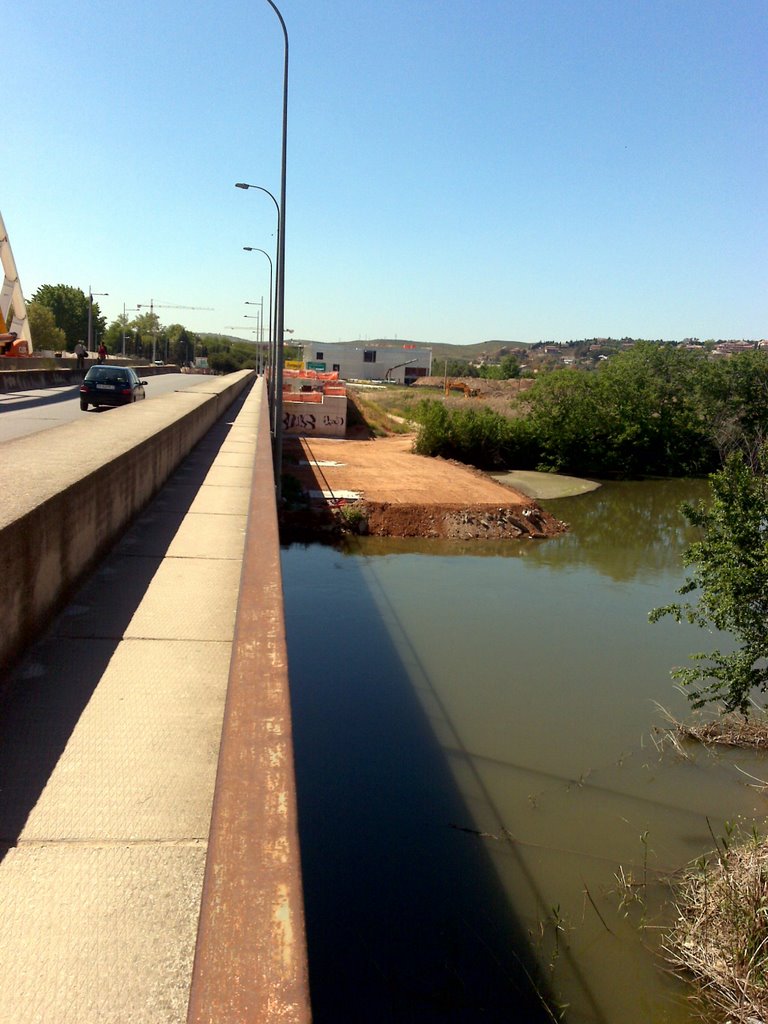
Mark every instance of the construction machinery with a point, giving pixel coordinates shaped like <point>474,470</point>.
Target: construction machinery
<point>15,336</point>
<point>459,385</point>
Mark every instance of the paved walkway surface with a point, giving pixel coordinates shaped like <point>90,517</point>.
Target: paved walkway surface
<point>108,748</point>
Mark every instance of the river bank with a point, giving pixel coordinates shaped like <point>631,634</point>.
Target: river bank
<point>380,487</point>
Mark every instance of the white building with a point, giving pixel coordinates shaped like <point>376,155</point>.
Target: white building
<point>399,363</point>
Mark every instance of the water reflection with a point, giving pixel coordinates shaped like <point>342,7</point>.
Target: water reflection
<point>502,707</point>
<point>406,917</point>
<point>624,530</point>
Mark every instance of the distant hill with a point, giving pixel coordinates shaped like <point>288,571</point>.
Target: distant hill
<point>491,351</point>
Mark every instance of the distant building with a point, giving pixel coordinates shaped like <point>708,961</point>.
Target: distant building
<point>734,347</point>
<point>400,364</point>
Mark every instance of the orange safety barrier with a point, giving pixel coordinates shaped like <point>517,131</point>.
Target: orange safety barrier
<point>331,390</point>
<point>302,396</point>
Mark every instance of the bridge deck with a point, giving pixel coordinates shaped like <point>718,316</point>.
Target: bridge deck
<point>108,751</point>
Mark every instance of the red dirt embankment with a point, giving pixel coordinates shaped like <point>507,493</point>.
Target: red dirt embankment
<point>395,493</point>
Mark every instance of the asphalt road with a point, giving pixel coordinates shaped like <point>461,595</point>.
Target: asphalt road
<point>28,412</point>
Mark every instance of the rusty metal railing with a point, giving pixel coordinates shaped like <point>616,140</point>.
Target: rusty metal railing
<point>250,960</point>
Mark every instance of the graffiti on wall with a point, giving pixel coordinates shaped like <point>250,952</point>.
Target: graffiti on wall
<point>310,421</point>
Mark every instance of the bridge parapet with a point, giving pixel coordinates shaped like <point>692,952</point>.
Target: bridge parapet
<point>250,961</point>
<point>69,493</point>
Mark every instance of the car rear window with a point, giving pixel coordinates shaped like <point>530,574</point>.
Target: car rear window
<point>107,375</point>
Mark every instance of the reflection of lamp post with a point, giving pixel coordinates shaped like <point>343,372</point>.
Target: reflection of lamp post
<point>90,315</point>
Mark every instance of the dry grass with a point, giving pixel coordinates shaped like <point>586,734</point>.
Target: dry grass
<point>390,410</point>
<point>721,935</point>
<point>382,412</point>
<point>729,730</point>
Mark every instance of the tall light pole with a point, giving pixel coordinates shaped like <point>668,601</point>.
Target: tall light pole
<point>90,311</point>
<point>248,248</point>
<point>126,311</point>
<point>280,300</point>
<point>252,248</point>
<point>260,361</point>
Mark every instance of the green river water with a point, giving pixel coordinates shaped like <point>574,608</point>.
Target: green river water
<point>477,733</point>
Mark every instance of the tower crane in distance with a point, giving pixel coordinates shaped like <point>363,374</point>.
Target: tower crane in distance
<point>152,306</point>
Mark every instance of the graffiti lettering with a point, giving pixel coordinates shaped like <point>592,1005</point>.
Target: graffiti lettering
<point>333,421</point>
<point>299,421</point>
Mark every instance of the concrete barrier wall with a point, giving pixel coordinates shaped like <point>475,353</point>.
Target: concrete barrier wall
<point>69,493</point>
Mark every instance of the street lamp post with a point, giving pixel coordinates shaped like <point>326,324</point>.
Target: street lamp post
<point>280,286</point>
<point>260,361</point>
<point>125,311</point>
<point>90,311</point>
<point>252,248</point>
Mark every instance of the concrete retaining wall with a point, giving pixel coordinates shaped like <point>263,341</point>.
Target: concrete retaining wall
<point>69,493</point>
<point>319,419</point>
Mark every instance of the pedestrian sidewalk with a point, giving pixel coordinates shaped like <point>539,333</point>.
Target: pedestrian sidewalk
<point>109,741</point>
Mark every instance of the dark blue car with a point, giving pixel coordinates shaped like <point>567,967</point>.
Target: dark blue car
<point>110,385</point>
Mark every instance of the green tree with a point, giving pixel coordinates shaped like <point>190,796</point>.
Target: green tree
<point>510,368</point>
<point>737,396</point>
<point>433,436</point>
<point>113,336</point>
<point>566,421</point>
<point>223,362</point>
<point>455,368</point>
<point>42,326</point>
<point>643,412</point>
<point>69,306</point>
<point>148,333</point>
<point>730,573</point>
<point>655,412</point>
<point>478,436</point>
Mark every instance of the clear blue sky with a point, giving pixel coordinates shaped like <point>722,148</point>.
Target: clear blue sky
<point>458,170</point>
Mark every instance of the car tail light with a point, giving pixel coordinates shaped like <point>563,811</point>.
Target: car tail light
<point>125,391</point>
<point>84,387</point>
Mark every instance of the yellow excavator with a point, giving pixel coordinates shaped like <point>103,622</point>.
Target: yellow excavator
<point>459,385</point>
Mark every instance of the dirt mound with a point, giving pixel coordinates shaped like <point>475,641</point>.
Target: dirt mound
<point>457,522</point>
<point>382,488</point>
